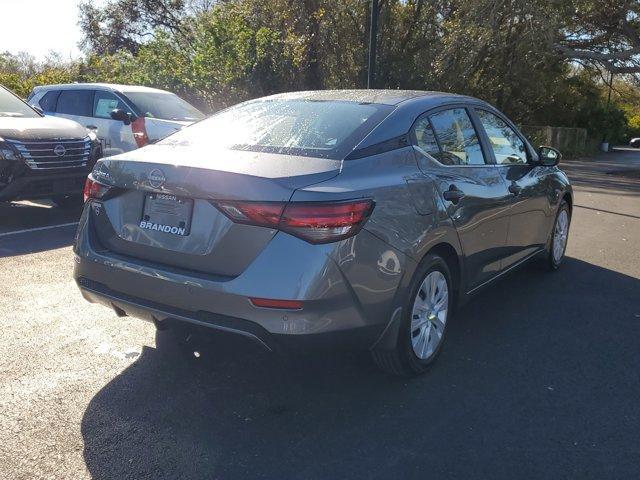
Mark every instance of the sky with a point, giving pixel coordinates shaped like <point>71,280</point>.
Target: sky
<point>40,26</point>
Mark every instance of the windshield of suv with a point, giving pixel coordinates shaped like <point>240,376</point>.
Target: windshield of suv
<point>166,106</point>
<point>12,106</point>
<point>319,128</point>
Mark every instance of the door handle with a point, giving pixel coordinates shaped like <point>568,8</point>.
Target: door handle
<point>453,195</point>
<point>515,188</point>
<point>91,127</point>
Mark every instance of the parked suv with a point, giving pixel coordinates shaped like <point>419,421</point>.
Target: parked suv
<point>124,117</point>
<point>323,217</point>
<point>42,156</point>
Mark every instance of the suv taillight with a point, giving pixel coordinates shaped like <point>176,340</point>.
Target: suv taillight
<point>139,130</point>
<point>315,222</point>
<point>93,189</point>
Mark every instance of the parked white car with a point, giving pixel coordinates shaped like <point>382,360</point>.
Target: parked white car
<point>124,117</point>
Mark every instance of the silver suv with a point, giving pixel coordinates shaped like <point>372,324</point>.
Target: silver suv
<point>124,117</point>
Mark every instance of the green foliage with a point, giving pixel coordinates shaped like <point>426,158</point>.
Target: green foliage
<point>626,98</point>
<point>219,52</point>
<point>20,73</point>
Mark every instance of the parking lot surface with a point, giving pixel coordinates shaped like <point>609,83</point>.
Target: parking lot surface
<point>539,377</point>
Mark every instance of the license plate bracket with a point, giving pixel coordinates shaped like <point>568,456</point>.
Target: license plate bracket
<point>167,213</point>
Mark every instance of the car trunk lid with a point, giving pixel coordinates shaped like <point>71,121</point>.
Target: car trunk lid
<point>163,211</point>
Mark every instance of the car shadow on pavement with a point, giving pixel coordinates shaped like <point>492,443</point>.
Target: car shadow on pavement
<point>538,379</point>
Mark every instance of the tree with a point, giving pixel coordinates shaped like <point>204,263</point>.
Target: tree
<point>604,33</point>
<point>21,72</point>
<point>127,24</point>
<point>541,61</point>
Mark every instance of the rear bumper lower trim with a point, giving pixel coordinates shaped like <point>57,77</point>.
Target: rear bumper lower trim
<point>123,304</point>
<point>95,292</point>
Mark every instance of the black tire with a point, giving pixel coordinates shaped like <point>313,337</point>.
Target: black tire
<point>402,360</point>
<point>551,263</point>
<point>68,201</point>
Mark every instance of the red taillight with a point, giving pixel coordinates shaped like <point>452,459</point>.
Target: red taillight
<point>315,222</point>
<point>253,213</point>
<point>139,132</point>
<point>93,189</point>
<point>281,304</point>
<point>325,222</point>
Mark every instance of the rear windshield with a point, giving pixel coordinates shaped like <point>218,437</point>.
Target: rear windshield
<point>327,129</point>
<point>12,106</point>
<point>166,106</point>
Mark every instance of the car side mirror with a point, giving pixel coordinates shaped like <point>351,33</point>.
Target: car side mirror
<point>122,116</point>
<point>549,156</point>
<point>37,109</point>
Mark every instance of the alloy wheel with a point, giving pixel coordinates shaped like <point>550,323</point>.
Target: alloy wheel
<point>560,235</point>
<point>429,315</point>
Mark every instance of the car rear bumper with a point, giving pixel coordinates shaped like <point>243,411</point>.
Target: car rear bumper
<point>125,305</point>
<point>31,187</point>
<point>347,303</point>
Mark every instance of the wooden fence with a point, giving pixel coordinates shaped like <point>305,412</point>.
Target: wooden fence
<point>570,141</point>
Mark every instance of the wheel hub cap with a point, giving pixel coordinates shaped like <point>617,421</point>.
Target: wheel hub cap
<point>429,315</point>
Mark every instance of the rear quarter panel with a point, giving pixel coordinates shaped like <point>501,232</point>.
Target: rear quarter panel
<point>407,221</point>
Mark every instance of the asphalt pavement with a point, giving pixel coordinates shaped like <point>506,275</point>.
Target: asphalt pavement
<point>539,378</point>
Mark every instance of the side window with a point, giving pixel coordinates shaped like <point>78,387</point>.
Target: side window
<point>49,100</point>
<point>458,139</point>
<point>104,103</point>
<point>75,102</point>
<point>425,138</point>
<point>507,147</point>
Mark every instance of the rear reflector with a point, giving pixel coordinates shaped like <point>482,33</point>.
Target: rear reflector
<point>315,222</point>
<point>93,189</point>
<point>280,304</point>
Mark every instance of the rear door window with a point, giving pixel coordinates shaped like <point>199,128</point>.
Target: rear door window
<point>105,102</point>
<point>458,139</point>
<point>75,102</point>
<point>49,101</point>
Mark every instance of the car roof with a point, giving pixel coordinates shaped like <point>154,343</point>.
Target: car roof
<point>387,97</point>
<point>101,86</point>
<point>408,106</point>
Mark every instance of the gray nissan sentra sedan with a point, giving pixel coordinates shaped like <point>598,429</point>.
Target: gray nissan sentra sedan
<point>332,217</point>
